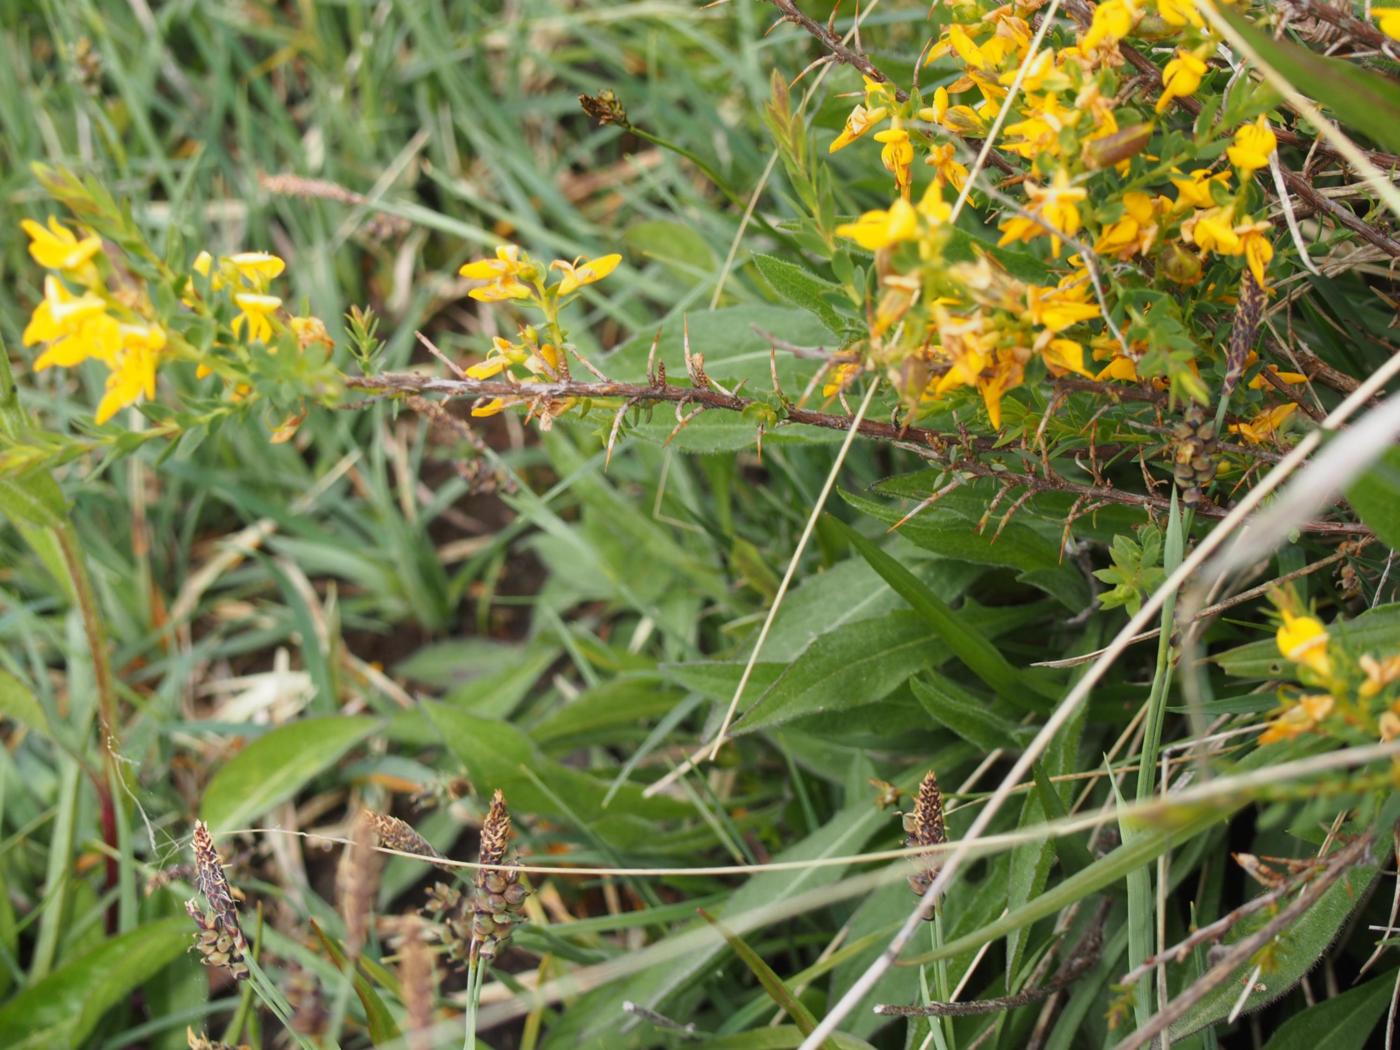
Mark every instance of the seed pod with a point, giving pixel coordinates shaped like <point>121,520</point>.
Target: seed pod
<point>1114,149</point>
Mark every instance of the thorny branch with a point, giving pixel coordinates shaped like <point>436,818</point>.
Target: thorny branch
<point>832,43</point>
<point>950,451</point>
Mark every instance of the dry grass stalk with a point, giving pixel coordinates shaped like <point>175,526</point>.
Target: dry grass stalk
<point>418,982</point>
<point>925,827</point>
<point>357,881</point>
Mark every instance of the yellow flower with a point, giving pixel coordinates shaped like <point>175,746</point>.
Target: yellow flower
<point>1389,724</point>
<point>1178,12</point>
<point>576,276</point>
<point>1056,309</point>
<point>1258,249</point>
<point>1213,231</point>
<point>75,327</point>
<point>309,330</point>
<point>839,378</point>
<point>881,229</point>
<point>257,268</point>
<point>490,408</point>
<point>134,370</point>
<point>1119,367</point>
<point>1252,146</point>
<point>1135,232</point>
<point>1287,378</point>
<point>503,274</point>
<point>1180,78</point>
<point>946,166</point>
<point>546,361</point>
<point>257,311</point>
<point>1194,191</point>
<point>1265,425</point>
<point>858,123</point>
<point>1112,21</point>
<point>960,120</point>
<point>202,264</point>
<point>1300,718</point>
<point>1064,355</point>
<point>1379,674</point>
<point>897,157</point>
<point>1388,18</point>
<point>57,247</point>
<point>503,353</point>
<point>934,209</point>
<point>1055,204</point>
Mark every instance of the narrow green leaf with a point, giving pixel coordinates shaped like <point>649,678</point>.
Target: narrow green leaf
<point>784,1037</point>
<point>971,717</point>
<point>1360,97</point>
<point>1074,855</point>
<point>802,288</point>
<point>981,657</point>
<point>1376,497</point>
<point>277,765</point>
<point>18,703</point>
<point>771,982</point>
<point>378,1019</point>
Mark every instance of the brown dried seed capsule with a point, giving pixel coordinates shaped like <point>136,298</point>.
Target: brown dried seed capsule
<point>925,827</point>
<point>398,835</point>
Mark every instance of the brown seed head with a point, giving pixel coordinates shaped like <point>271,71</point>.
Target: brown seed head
<point>212,882</point>
<point>398,835</point>
<point>495,833</point>
<point>925,827</point>
<point>605,107</point>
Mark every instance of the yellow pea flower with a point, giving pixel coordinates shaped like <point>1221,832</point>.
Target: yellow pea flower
<point>310,330</point>
<point>257,311</point>
<point>1213,231</point>
<point>1252,146</point>
<point>880,229</point>
<point>1195,190</point>
<point>839,377</point>
<point>503,273</point>
<point>1180,78</point>
<point>75,327</point>
<point>56,247</point>
<point>1379,674</point>
<point>1265,425</point>
<point>1303,640</point>
<point>1119,367</point>
<point>1258,249</point>
<point>1062,356</point>
<point>1298,719</point>
<point>490,408</point>
<point>1113,19</point>
<point>934,209</point>
<point>1388,19</point>
<point>897,157</point>
<point>961,120</point>
<point>858,122</point>
<point>1178,12</point>
<point>257,268</point>
<point>134,370</point>
<point>1286,378</point>
<point>1056,309</point>
<point>1135,232</point>
<point>1056,204</point>
<point>946,166</point>
<point>576,276</point>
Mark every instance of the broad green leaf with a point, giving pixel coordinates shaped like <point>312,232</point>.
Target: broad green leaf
<point>981,657</point>
<point>856,664</point>
<point>609,705</point>
<point>277,765</point>
<point>1376,497</point>
<point>677,246</point>
<point>1373,631</point>
<point>378,1019</point>
<point>802,288</point>
<point>1361,97</point>
<point>973,718</point>
<point>1342,1023</point>
<point>1034,556</point>
<point>63,1009</point>
<point>1297,952</point>
<point>18,703</point>
<point>498,755</point>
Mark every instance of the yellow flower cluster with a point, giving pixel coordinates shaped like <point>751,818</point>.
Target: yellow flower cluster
<point>514,275</point>
<point>1359,698</point>
<point>80,319</point>
<point>1067,122</point>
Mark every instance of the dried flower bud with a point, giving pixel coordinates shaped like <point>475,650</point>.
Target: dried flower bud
<point>925,827</point>
<point>218,946</point>
<point>212,882</point>
<point>605,107</point>
<point>400,836</point>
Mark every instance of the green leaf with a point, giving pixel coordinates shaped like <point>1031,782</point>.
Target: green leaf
<point>784,1037</point>
<point>1374,631</point>
<point>1341,1023</point>
<point>981,657</point>
<point>677,246</point>
<point>277,765</point>
<point>1036,557</point>
<point>32,500</point>
<point>65,1007</point>
<point>1376,497</point>
<point>378,1019</point>
<point>802,288</point>
<point>18,703</point>
<point>1360,97</point>
<point>971,717</point>
<point>856,664</point>
<point>1298,950</point>
<point>612,704</point>
<point>779,992</point>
